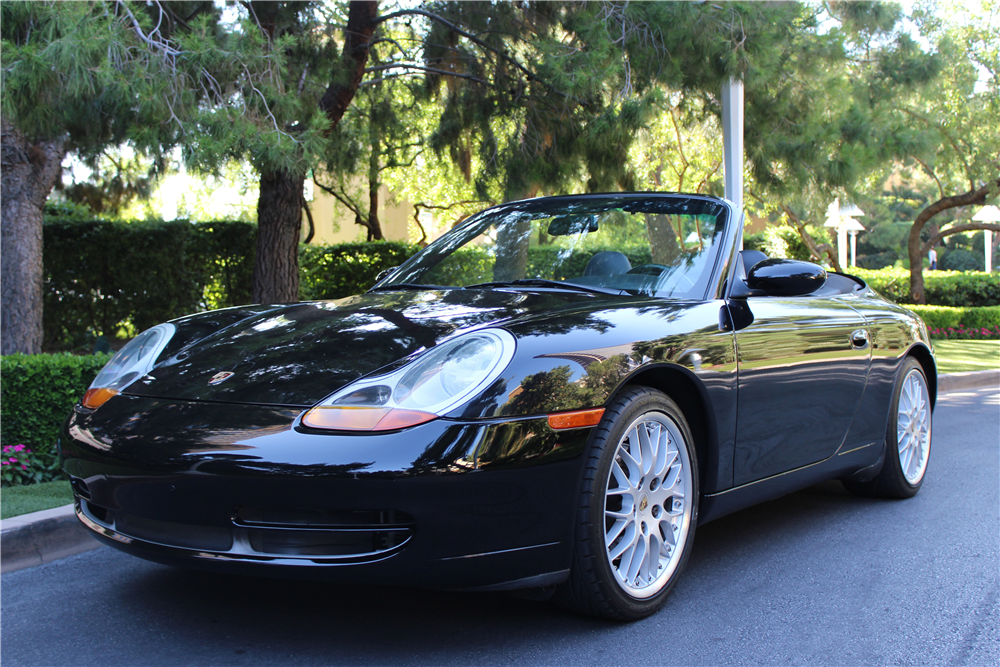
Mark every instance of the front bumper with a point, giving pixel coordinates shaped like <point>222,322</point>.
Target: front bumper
<point>236,488</point>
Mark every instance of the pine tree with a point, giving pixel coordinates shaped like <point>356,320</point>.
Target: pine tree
<point>80,76</point>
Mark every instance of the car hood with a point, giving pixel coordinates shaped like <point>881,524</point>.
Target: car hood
<point>298,354</point>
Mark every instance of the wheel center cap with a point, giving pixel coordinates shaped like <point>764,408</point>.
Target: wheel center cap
<point>643,503</point>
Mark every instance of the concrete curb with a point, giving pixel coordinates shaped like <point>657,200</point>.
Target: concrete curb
<point>42,537</point>
<point>969,380</point>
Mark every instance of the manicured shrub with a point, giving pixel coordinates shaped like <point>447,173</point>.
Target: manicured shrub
<point>941,288</point>
<point>961,332</point>
<point>37,392</point>
<point>336,271</point>
<point>103,276</point>
<point>961,259</point>
<point>965,323</point>
<point>947,316</point>
<point>878,260</point>
<point>225,251</point>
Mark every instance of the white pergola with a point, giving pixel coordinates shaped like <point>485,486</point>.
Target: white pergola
<point>988,214</point>
<point>843,220</point>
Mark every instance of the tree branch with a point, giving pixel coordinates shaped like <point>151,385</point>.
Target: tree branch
<point>930,172</point>
<point>954,146</point>
<point>333,193</point>
<point>312,225</point>
<point>531,76</point>
<point>421,68</point>
<point>958,229</point>
<point>913,245</point>
<point>361,22</point>
<point>817,250</point>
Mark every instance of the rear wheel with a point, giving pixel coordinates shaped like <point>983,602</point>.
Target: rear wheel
<point>638,509</point>
<point>907,439</point>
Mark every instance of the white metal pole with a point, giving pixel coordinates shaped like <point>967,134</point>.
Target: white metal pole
<point>989,249</point>
<point>842,246</point>
<point>854,248</point>
<point>988,214</point>
<point>732,141</point>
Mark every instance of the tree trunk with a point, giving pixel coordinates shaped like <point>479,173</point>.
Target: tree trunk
<point>28,173</point>
<point>361,25</point>
<point>512,251</point>
<point>662,239</point>
<point>915,249</point>
<point>279,206</point>
<point>374,228</point>
<point>279,219</point>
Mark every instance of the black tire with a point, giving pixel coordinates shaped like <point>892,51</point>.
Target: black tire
<point>648,506</point>
<point>906,430</point>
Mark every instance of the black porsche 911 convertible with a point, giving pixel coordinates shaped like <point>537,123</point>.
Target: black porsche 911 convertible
<point>551,396</point>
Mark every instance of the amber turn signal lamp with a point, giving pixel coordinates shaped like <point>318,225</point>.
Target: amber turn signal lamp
<point>95,398</point>
<point>360,418</point>
<point>576,419</point>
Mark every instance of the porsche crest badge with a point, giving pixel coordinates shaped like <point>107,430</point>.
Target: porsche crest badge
<point>221,377</point>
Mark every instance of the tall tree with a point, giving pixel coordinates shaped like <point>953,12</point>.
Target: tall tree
<point>80,76</point>
<point>958,117</point>
<point>312,56</point>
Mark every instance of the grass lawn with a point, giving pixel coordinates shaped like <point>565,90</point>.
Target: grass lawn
<point>956,356</point>
<point>17,500</point>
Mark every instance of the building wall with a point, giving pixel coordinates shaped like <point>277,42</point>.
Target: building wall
<point>335,223</point>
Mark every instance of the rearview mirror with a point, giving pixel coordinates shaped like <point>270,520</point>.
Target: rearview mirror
<point>385,273</point>
<point>565,225</point>
<point>785,277</point>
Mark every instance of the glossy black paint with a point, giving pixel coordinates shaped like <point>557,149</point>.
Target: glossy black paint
<point>780,392</point>
<point>785,277</point>
<point>501,485</point>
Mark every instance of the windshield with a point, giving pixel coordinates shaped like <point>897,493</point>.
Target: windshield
<point>657,245</point>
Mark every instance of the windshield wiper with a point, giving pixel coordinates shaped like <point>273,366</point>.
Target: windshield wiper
<point>409,287</point>
<point>555,284</point>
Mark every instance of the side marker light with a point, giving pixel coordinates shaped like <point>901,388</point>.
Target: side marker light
<point>95,398</point>
<point>576,419</point>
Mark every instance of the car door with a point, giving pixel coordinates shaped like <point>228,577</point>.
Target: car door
<point>802,369</point>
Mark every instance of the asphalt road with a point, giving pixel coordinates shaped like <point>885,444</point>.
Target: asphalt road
<point>815,578</point>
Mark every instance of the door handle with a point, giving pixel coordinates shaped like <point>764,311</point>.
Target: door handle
<point>859,339</point>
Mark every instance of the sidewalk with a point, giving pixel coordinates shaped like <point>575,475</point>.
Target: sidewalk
<point>42,537</point>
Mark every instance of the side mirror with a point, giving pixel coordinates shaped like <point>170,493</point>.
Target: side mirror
<point>785,277</point>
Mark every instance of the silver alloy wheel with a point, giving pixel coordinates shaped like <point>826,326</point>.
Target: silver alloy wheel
<point>647,513</point>
<point>913,426</point>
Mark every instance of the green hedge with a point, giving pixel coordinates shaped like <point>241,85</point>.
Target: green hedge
<point>941,288</point>
<point>336,271</point>
<point>942,317</point>
<point>102,276</point>
<point>37,392</point>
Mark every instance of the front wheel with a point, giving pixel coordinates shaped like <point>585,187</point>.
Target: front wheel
<point>638,509</point>
<point>907,439</point>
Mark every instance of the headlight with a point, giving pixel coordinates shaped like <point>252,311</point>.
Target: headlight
<point>435,383</point>
<point>128,365</point>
